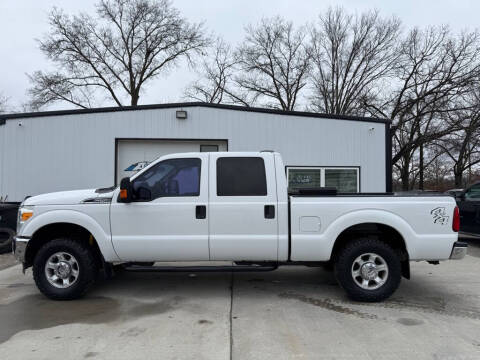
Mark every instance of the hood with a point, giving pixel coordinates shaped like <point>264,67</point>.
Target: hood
<point>70,197</point>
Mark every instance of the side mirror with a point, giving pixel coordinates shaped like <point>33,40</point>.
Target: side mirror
<point>125,195</point>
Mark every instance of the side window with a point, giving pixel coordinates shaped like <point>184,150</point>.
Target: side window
<point>173,177</point>
<point>473,192</point>
<point>241,176</point>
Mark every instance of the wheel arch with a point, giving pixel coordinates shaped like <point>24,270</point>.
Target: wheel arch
<point>384,225</point>
<point>380,231</point>
<point>62,223</point>
<point>55,230</point>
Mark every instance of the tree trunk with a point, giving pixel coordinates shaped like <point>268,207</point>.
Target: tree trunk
<point>405,172</point>
<point>405,178</point>
<point>135,97</point>
<point>459,180</point>
<point>421,169</point>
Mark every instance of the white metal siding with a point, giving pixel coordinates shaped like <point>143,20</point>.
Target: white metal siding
<point>77,151</point>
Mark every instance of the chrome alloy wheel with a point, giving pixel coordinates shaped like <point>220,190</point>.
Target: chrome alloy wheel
<point>62,270</point>
<point>370,271</point>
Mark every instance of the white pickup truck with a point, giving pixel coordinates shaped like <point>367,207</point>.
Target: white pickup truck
<point>207,207</point>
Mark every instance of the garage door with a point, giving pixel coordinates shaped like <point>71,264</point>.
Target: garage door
<point>134,155</point>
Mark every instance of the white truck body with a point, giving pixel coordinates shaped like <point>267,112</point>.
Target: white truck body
<point>304,228</point>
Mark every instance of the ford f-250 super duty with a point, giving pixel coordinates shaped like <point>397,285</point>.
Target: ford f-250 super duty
<point>230,207</point>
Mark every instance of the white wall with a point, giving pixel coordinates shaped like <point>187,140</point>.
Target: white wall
<point>77,151</point>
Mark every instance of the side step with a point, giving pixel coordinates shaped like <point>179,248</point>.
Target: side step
<point>194,269</point>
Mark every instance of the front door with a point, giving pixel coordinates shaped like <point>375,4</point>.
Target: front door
<point>166,221</point>
<point>470,210</point>
<point>243,207</point>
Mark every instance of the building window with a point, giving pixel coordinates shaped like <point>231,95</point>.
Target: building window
<point>241,176</point>
<point>344,179</point>
<point>208,148</point>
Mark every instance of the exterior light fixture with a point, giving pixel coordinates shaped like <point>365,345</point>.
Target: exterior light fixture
<point>181,114</point>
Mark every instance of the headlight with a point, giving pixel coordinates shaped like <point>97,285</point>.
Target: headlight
<point>24,214</point>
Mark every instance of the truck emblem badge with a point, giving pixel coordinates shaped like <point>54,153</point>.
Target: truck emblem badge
<point>439,216</point>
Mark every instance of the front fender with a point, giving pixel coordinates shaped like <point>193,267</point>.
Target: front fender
<point>73,217</point>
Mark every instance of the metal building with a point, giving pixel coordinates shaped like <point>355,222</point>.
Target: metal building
<point>63,150</point>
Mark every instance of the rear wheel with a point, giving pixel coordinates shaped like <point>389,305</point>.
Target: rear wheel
<point>368,270</point>
<point>64,269</point>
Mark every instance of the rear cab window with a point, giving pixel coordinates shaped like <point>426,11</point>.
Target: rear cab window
<point>241,176</point>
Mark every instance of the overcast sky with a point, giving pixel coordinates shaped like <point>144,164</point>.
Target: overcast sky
<point>23,21</point>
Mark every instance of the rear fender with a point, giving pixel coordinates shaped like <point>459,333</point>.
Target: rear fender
<point>319,247</point>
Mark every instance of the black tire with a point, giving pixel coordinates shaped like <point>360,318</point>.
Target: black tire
<point>87,269</point>
<point>6,238</point>
<point>345,260</point>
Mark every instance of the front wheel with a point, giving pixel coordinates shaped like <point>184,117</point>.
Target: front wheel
<point>368,270</point>
<point>64,269</point>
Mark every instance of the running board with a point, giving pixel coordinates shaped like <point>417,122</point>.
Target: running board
<point>194,269</point>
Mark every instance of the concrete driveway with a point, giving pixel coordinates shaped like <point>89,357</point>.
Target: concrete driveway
<point>292,313</point>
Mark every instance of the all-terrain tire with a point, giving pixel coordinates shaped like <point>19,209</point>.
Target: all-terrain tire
<point>87,269</point>
<point>348,255</point>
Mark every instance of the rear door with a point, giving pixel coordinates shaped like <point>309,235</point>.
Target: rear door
<point>243,207</point>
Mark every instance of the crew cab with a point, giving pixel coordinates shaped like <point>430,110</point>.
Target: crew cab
<point>230,206</point>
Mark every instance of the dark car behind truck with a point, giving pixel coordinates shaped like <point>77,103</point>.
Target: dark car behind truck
<point>8,225</point>
<point>468,202</point>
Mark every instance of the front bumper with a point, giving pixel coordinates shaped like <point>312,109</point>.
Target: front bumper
<point>459,250</point>
<point>19,247</point>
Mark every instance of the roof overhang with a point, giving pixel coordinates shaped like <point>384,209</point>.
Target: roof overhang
<point>5,117</point>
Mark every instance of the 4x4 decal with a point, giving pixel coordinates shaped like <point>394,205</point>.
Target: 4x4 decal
<point>439,216</point>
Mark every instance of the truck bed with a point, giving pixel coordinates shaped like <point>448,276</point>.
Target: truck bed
<point>423,222</point>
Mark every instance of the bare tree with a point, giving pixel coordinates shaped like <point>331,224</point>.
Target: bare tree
<point>216,83</point>
<point>351,55</point>
<point>438,173</point>
<point>463,146</point>
<point>117,53</point>
<point>274,62</point>
<point>434,71</point>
